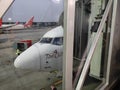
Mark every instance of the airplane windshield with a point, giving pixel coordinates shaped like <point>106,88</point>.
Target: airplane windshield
<point>46,40</point>
<point>58,41</point>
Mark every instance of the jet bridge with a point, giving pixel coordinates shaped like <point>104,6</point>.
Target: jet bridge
<point>100,61</point>
<point>5,6</point>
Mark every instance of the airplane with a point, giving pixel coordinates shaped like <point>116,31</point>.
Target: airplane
<point>4,26</point>
<point>45,55</point>
<point>16,26</point>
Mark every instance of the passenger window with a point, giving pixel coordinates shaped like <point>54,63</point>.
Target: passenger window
<point>58,41</point>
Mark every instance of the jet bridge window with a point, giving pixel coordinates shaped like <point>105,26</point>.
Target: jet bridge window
<point>58,41</point>
<point>46,40</point>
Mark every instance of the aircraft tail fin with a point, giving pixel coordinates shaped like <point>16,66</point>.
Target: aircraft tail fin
<point>0,22</point>
<point>17,23</point>
<point>29,22</point>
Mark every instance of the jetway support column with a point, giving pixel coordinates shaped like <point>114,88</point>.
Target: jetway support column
<point>69,12</point>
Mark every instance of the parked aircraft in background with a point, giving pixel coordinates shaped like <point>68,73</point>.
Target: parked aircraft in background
<point>4,26</point>
<point>16,26</point>
<point>0,22</point>
<point>45,55</point>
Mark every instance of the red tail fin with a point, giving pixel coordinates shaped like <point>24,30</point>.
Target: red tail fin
<point>17,23</point>
<point>29,23</point>
<point>0,22</point>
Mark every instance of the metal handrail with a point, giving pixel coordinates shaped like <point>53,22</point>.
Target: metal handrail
<point>93,46</point>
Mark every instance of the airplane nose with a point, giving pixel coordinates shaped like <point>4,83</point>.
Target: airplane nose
<point>29,59</point>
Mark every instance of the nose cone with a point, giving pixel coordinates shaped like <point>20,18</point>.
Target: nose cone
<point>29,59</point>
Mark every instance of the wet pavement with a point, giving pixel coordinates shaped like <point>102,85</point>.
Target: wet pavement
<point>16,79</point>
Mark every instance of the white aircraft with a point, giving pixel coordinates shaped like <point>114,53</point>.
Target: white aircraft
<point>16,26</point>
<point>45,55</point>
<point>4,26</point>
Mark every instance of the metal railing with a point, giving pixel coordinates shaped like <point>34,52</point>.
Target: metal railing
<point>93,46</point>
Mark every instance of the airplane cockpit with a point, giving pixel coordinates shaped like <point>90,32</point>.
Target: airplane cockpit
<point>46,54</point>
<point>58,41</point>
<point>54,37</point>
<point>54,41</point>
<point>46,40</point>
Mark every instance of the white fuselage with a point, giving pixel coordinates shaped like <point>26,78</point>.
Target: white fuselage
<point>19,26</point>
<point>45,55</point>
<point>6,26</point>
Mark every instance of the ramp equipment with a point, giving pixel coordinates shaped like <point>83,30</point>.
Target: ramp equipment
<point>22,45</point>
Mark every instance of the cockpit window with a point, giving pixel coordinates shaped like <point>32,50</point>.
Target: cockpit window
<point>46,40</point>
<point>58,41</point>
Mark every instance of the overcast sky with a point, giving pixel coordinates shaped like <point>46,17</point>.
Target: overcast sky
<point>42,10</point>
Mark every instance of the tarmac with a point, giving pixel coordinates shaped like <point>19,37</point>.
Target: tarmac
<point>17,79</point>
